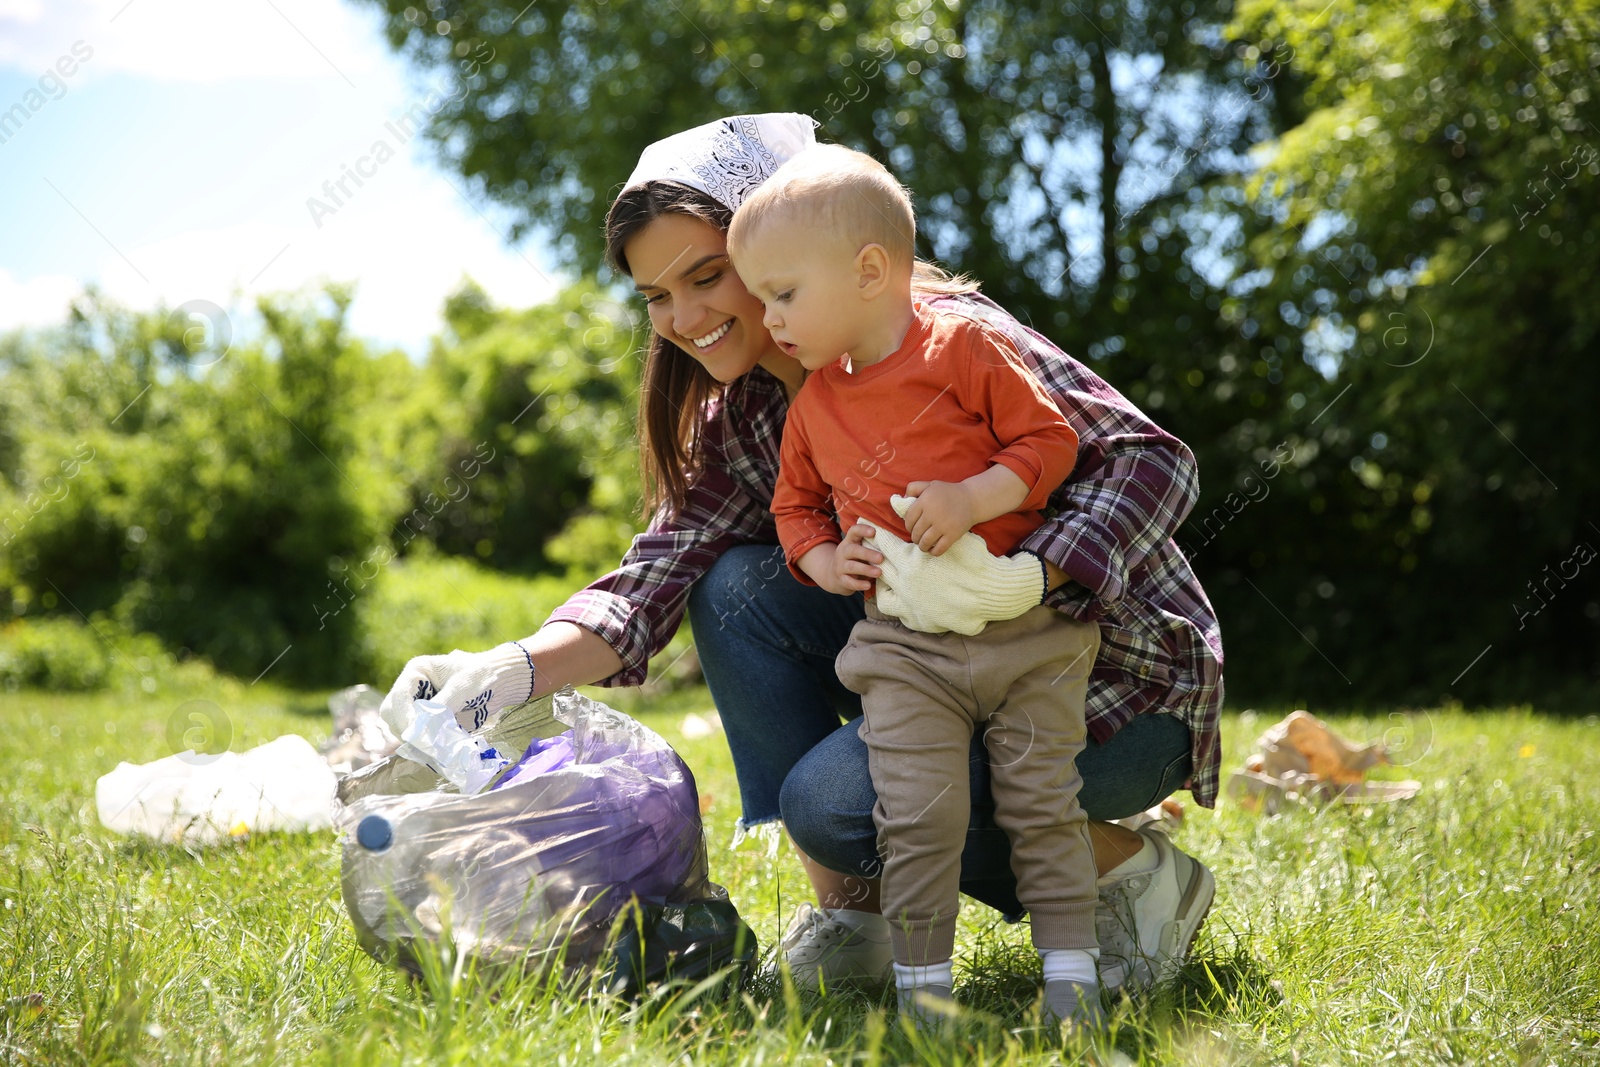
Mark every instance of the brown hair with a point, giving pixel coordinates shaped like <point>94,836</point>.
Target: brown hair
<point>676,388</point>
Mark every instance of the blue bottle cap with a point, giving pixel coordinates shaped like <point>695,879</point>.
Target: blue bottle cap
<point>374,833</point>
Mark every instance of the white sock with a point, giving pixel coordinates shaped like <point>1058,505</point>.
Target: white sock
<point>912,976</point>
<point>1076,965</point>
<point>1146,859</point>
<point>869,924</point>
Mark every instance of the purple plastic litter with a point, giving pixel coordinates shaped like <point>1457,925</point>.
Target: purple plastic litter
<point>545,754</point>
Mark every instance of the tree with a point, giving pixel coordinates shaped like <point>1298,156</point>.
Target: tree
<point>1042,141</point>
<point>1116,176</point>
<point>1428,233</point>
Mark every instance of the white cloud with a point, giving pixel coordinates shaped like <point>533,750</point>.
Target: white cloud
<point>40,301</point>
<point>193,40</point>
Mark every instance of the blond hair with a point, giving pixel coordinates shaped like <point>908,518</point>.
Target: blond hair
<point>837,192</point>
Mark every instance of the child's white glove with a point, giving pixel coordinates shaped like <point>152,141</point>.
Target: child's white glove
<point>475,686</point>
<point>961,591</point>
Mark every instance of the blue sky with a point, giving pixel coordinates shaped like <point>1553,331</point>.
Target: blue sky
<point>177,161</point>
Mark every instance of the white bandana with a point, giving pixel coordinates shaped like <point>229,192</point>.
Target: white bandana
<point>727,158</point>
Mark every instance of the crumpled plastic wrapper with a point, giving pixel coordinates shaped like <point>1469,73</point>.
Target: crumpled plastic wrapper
<point>1301,759</point>
<point>433,737</point>
<point>536,868</point>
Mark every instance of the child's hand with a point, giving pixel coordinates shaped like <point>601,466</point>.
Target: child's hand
<point>942,512</point>
<point>854,564</point>
<point>847,567</point>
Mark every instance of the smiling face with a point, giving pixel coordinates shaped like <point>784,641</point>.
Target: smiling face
<point>808,285</point>
<point>695,298</point>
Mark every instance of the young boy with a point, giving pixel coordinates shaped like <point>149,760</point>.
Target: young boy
<point>900,399</point>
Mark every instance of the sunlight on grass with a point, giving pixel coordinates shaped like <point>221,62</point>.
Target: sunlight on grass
<point>1458,928</point>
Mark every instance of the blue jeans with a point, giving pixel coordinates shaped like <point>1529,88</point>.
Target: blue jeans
<point>767,646</point>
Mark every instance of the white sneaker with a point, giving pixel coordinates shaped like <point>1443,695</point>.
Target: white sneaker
<point>821,949</point>
<point>1145,923</point>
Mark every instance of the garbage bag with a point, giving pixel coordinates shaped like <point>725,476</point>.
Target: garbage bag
<point>543,756</point>
<point>597,862</point>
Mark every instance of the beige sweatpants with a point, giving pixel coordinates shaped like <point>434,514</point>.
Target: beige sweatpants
<point>1024,681</point>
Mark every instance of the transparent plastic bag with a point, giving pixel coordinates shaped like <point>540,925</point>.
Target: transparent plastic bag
<point>540,867</point>
<point>360,736</point>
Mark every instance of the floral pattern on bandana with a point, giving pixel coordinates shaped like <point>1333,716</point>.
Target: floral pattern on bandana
<point>726,159</point>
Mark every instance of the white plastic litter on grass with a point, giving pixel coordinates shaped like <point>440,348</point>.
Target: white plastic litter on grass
<point>696,726</point>
<point>196,800</point>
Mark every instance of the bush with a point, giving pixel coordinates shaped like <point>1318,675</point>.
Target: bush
<point>212,506</point>
<point>53,654</point>
<point>59,653</point>
<point>243,508</point>
<point>538,434</point>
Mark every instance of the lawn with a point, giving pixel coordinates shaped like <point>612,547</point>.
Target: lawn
<point>1462,927</point>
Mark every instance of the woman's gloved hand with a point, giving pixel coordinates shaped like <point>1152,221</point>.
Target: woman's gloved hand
<point>962,590</point>
<point>475,686</point>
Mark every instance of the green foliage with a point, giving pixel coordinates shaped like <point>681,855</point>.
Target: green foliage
<point>208,503</point>
<point>539,432</point>
<point>1428,236</point>
<point>428,604</point>
<point>65,654</point>
<point>53,654</point>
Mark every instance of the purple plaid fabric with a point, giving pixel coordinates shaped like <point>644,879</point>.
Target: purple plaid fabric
<point>1111,529</point>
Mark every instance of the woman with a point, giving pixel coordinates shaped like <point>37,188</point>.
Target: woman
<point>716,388</point>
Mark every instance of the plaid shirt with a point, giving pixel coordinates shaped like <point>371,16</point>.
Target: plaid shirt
<point>1110,528</point>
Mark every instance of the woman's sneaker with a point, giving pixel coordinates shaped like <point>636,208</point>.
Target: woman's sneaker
<point>1147,922</point>
<point>824,947</point>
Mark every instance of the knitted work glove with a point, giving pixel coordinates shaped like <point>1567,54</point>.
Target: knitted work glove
<point>961,591</point>
<point>475,686</point>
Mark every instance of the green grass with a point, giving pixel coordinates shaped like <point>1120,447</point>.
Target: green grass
<point>1462,927</point>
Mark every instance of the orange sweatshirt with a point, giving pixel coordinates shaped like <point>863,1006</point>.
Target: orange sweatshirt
<point>953,400</point>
